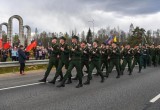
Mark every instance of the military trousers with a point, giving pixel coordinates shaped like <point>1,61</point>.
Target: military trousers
<point>53,61</point>
<point>144,60</point>
<point>94,64</point>
<point>125,62</point>
<point>137,60</point>
<point>104,64</point>
<point>114,62</point>
<point>60,66</point>
<point>77,64</point>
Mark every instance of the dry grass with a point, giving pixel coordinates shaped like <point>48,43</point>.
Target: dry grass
<point>16,69</point>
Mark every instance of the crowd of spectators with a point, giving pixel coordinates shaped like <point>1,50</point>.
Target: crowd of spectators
<point>38,53</point>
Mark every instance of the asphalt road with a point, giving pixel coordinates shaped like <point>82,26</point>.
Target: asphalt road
<point>127,93</point>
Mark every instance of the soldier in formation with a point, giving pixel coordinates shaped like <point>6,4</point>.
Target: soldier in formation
<point>80,54</point>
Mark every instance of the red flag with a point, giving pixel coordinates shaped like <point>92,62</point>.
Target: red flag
<point>6,45</point>
<point>1,44</point>
<point>31,46</point>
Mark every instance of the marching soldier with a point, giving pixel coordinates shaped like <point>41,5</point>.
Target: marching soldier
<point>153,55</point>
<point>114,60</point>
<point>137,58</point>
<point>105,53</point>
<point>75,61</point>
<point>127,59</point>
<point>145,53</point>
<point>63,59</point>
<point>149,58</point>
<point>53,59</point>
<point>159,54</point>
<point>94,62</point>
<point>84,58</point>
<point>121,57</point>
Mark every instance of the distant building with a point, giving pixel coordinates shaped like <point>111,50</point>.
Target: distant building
<point>131,29</point>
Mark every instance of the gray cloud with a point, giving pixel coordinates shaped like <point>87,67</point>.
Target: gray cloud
<point>65,15</point>
<point>134,7</point>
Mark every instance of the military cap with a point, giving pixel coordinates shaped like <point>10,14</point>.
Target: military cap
<point>54,37</point>
<point>84,42</point>
<point>104,43</point>
<point>63,38</point>
<point>75,37</point>
<point>114,43</point>
<point>96,41</point>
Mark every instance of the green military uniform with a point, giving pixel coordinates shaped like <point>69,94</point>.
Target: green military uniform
<point>149,58</point>
<point>145,53</point>
<point>152,53</point>
<point>104,60</point>
<point>53,61</point>
<point>84,60</point>
<point>75,61</point>
<point>114,61</point>
<point>94,63</point>
<point>158,54</point>
<point>127,55</point>
<point>121,58</point>
<point>63,60</point>
<point>137,59</point>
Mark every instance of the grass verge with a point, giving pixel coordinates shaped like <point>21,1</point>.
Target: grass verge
<point>16,69</point>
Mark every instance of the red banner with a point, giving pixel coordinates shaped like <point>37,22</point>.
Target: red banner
<point>1,43</point>
<point>6,46</point>
<point>31,46</point>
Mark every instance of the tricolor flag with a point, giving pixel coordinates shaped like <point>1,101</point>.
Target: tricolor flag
<point>109,40</point>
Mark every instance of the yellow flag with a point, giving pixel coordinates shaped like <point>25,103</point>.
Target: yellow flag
<point>115,39</point>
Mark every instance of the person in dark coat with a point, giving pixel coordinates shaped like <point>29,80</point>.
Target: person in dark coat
<point>22,59</point>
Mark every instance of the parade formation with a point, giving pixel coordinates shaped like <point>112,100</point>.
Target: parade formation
<point>99,56</point>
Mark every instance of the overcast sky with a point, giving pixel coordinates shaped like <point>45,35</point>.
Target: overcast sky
<point>66,15</point>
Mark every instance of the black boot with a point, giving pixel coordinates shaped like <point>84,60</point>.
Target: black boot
<point>86,71</point>
<point>121,72</point>
<point>42,80</point>
<point>52,82</point>
<point>107,75</point>
<point>87,82</point>
<point>61,75</point>
<point>79,85</point>
<point>102,79</point>
<point>62,84</point>
<point>60,79</point>
<point>118,76</point>
<point>96,74</point>
<point>69,81</point>
<point>139,70</point>
<point>75,78</point>
<point>130,73</point>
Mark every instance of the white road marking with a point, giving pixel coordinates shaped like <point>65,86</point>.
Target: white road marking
<point>155,99</point>
<point>20,86</point>
<point>32,84</point>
